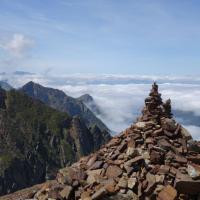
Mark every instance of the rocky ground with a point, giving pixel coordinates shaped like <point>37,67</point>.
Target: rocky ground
<point>155,158</point>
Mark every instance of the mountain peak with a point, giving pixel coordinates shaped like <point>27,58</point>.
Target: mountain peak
<point>30,83</point>
<point>86,98</point>
<point>155,158</point>
<point>21,73</point>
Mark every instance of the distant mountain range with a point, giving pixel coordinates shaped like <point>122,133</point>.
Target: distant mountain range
<point>22,73</point>
<point>17,73</point>
<point>36,140</point>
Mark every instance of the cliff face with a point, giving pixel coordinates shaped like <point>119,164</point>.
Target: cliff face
<point>155,158</point>
<point>36,140</point>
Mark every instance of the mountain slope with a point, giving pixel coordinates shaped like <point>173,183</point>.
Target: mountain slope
<point>60,101</point>
<point>36,140</point>
<point>155,158</point>
<point>4,85</point>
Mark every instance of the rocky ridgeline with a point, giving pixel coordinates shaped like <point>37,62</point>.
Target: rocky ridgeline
<point>155,158</point>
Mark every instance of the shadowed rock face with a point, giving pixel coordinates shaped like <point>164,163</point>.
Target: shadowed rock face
<point>153,159</point>
<point>36,140</point>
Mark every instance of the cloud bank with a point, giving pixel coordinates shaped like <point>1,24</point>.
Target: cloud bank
<point>121,98</point>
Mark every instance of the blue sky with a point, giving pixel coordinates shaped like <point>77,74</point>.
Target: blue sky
<point>100,36</point>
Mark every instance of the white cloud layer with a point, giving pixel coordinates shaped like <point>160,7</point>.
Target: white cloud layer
<point>17,45</point>
<point>122,101</point>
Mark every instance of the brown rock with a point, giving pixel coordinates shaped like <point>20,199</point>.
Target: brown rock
<point>122,147</point>
<point>149,140</point>
<point>169,124</point>
<point>131,143</point>
<point>181,159</point>
<point>113,171</point>
<point>132,182</point>
<point>85,195</point>
<point>92,160</point>
<point>110,186</point>
<point>66,192</point>
<point>164,169</point>
<point>164,144</point>
<point>114,142</point>
<point>137,159</point>
<point>131,152</point>
<point>160,178</point>
<point>99,194</point>
<point>151,183</point>
<point>168,193</point>
<point>66,175</point>
<point>123,183</point>
<point>156,157</point>
<point>128,169</point>
<point>173,171</point>
<point>96,165</point>
<point>158,132</point>
<point>93,175</point>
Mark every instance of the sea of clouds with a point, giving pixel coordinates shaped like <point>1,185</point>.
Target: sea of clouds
<point>121,97</point>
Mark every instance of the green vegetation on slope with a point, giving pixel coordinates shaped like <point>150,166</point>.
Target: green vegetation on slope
<point>36,140</point>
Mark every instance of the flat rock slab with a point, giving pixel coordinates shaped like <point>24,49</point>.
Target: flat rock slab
<point>168,193</point>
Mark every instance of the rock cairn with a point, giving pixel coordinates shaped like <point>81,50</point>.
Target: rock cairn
<point>155,158</point>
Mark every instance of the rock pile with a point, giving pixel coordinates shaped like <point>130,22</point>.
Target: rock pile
<point>155,158</point>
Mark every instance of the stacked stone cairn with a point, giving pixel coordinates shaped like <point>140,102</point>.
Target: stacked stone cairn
<point>155,158</point>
